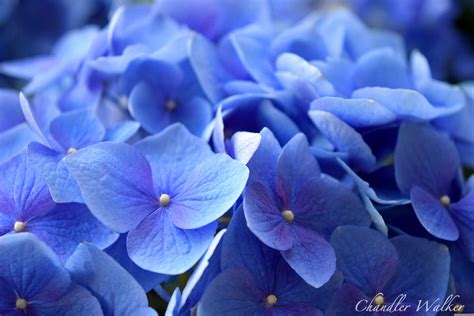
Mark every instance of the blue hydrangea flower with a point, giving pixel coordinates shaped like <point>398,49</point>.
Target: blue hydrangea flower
<point>40,285</point>
<point>462,281</point>
<point>376,270</point>
<point>27,206</point>
<point>292,207</point>
<point>15,134</point>
<point>427,169</point>
<point>117,291</point>
<point>166,192</point>
<point>255,279</point>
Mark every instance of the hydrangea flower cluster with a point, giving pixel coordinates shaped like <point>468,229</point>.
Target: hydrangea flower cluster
<point>234,158</point>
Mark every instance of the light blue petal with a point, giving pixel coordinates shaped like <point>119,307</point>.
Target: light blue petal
<point>159,246</point>
<point>116,183</point>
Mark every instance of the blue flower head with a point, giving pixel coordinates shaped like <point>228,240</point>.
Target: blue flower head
<point>377,270</point>
<point>255,279</point>
<point>166,192</point>
<point>427,168</point>
<point>27,206</point>
<point>292,207</point>
<point>91,283</point>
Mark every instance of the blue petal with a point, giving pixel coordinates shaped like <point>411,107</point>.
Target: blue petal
<point>365,257</point>
<point>116,290</point>
<point>15,140</point>
<point>433,215</point>
<point>244,146</point>
<point>148,106</point>
<point>77,129</point>
<point>173,306</point>
<point>423,271</point>
<point>463,212</point>
<point>116,183</point>
<point>381,68</point>
<point>76,301</point>
<point>345,138</point>
<point>264,161</point>
<point>159,246</point>
<point>296,165</point>
<point>210,190</point>
<point>40,276</point>
<point>10,110</point>
<point>173,154</point>
<point>425,158</point>
<point>406,104</point>
<point>203,274</point>
<point>264,218</point>
<point>122,131</point>
<point>356,112</point>
<point>67,225</point>
<point>27,68</point>
<point>31,118</point>
<point>148,280</point>
<point>205,63</point>
<point>312,257</point>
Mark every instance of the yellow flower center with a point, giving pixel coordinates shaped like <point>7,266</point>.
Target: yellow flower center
<point>445,200</point>
<point>71,150</point>
<point>165,200</point>
<point>21,304</point>
<point>19,227</point>
<point>288,216</point>
<point>271,300</point>
<point>379,300</point>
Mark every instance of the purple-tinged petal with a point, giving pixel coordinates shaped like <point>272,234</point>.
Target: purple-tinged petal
<point>324,204</point>
<point>173,154</point>
<point>433,215</point>
<point>346,302</point>
<point>233,292</point>
<point>117,291</point>
<point>66,226</point>
<point>312,257</point>
<point>425,158</point>
<point>77,129</point>
<point>345,138</point>
<point>296,165</point>
<point>356,112</point>
<point>116,183</point>
<point>463,214</point>
<point>159,246</point>
<point>365,257</point>
<point>210,190</point>
<point>264,217</point>
<point>423,270</point>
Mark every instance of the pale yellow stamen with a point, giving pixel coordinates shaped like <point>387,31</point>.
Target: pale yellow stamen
<point>288,216</point>
<point>445,200</point>
<point>271,300</point>
<point>165,200</point>
<point>171,105</point>
<point>379,299</point>
<point>21,304</point>
<point>19,227</point>
<point>71,150</point>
